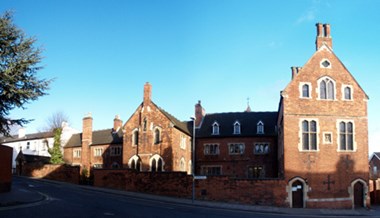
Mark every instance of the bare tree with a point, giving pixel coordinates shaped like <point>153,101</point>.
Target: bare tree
<point>55,121</point>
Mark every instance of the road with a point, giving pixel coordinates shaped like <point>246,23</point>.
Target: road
<point>63,200</point>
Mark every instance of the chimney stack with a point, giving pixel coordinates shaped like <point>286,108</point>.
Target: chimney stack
<point>21,133</point>
<point>294,72</point>
<point>147,93</point>
<point>323,36</point>
<point>199,114</point>
<point>86,140</point>
<point>117,123</point>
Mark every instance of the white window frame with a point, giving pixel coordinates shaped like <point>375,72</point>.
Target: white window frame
<point>265,150</point>
<point>237,128</point>
<point>134,144</point>
<point>156,157</point>
<point>183,143</point>
<point>324,138</point>
<point>77,153</point>
<point>301,84</point>
<point>155,141</point>
<point>115,150</point>
<point>203,167</point>
<point>215,128</point>
<point>240,145</point>
<point>319,88</point>
<point>300,134</point>
<point>323,60</point>
<point>206,149</point>
<point>136,159</point>
<point>260,127</point>
<point>98,152</point>
<point>344,94</point>
<point>353,135</point>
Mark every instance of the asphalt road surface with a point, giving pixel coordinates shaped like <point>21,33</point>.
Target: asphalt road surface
<point>75,201</point>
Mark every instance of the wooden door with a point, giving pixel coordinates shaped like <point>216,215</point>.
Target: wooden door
<point>358,194</point>
<point>297,194</point>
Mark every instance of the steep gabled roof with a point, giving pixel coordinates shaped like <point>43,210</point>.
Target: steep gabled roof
<point>248,124</point>
<point>375,155</point>
<point>184,126</point>
<point>34,136</point>
<point>324,47</point>
<point>99,137</point>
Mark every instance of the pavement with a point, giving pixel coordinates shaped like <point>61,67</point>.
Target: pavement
<point>24,195</point>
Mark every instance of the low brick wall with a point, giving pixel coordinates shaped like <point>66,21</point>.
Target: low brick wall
<point>178,184</point>
<point>6,168</point>
<point>246,191</point>
<point>64,173</point>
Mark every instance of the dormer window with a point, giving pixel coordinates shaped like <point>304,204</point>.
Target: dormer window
<point>260,127</point>
<point>215,128</point>
<point>237,127</point>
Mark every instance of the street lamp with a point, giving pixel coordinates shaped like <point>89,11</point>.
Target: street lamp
<point>193,160</point>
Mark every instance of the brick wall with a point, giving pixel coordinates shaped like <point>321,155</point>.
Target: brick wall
<point>6,168</point>
<point>62,173</point>
<point>178,184</point>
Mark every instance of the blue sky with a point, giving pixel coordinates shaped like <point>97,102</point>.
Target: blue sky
<point>220,52</point>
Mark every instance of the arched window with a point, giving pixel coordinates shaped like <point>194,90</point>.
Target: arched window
<point>145,123</point>
<point>347,93</point>
<point>327,89</point>
<point>135,163</point>
<point>154,166</point>
<point>156,163</point>
<point>305,91</point>
<point>157,136</point>
<point>237,127</point>
<point>215,128</point>
<point>135,137</point>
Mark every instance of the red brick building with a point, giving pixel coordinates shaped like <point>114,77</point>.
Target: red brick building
<point>374,166</point>
<point>96,149</point>
<point>323,132</point>
<point>240,145</point>
<point>154,140</point>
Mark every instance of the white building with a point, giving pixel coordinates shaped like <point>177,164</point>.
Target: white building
<point>35,144</point>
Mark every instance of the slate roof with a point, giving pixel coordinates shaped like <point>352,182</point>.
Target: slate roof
<point>248,124</point>
<point>15,138</point>
<point>30,158</point>
<point>99,137</point>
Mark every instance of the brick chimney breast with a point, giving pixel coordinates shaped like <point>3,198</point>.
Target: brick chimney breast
<point>117,123</point>
<point>199,114</point>
<point>147,93</point>
<point>323,36</point>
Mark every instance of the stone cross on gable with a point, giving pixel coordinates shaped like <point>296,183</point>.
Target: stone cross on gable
<point>328,182</point>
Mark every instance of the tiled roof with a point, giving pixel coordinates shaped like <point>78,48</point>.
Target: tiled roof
<point>15,138</point>
<point>248,124</point>
<point>183,126</point>
<point>99,137</point>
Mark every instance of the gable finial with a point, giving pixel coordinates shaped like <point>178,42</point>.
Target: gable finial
<point>248,107</point>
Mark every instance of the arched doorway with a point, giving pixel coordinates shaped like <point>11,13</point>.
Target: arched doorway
<point>297,194</point>
<point>358,195</point>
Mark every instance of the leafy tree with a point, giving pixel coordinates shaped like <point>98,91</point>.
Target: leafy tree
<point>19,60</point>
<point>56,152</point>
